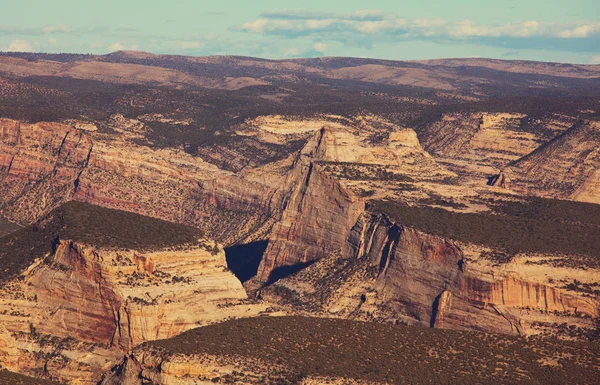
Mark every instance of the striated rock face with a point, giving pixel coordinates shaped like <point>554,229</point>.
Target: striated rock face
<point>39,164</point>
<point>567,167</point>
<point>152,366</point>
<point>72,314</point>
<point>476,145</point>
<point>45,164</point>
<point>426,277</point>
<point>394,273</point>
<point>316,217</point>
<point>470,136</point>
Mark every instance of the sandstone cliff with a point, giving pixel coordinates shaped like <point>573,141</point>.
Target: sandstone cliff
<point>71,314</point>
<point>387,271</point>
<point>567,167</point>
<point>45,164</point>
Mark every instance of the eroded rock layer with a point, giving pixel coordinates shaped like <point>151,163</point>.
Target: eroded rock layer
<point>71,314</point>
<point>45,164</point>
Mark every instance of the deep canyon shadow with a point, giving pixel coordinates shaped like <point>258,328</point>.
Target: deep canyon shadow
<point>243,260</point>
<point>284,271</point>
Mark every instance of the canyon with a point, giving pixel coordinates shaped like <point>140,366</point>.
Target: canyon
<point>148,212</point>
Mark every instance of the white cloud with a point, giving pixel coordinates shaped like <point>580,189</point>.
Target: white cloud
<point>116,47</point>
<point>291,52</point>
<point>257,26</point>
<point>59,28</point>
<point>595,59</point>
<point>296,23</point>
<point>320,47</point>
<point>20,46</point>
<point>122,47</point>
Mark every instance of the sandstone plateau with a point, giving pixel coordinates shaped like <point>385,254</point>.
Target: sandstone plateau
<point>156,198</point>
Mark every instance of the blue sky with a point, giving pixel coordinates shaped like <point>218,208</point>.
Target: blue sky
<point>547,30</point>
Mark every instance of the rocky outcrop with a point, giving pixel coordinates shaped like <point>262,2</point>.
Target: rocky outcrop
<point>39,164</point>
<point>156,367</point>
<point>567,167</point>
<point>393,273</point>
<point>316,216</point>
<point>479,144</point>
<point>427,277</point>
<point>45,164</point>
<point>70,315</point>
<point>500,180</point>
<point>152,366</point>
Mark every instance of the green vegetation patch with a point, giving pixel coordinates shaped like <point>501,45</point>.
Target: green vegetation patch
<point>395,354</point>
<point>531,231</point>
<point>94,225</point>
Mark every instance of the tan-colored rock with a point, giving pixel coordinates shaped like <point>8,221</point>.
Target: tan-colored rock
<point>45,164</point>
<point>389,272</point>
<point>567,167</point>
<point>89,305</point>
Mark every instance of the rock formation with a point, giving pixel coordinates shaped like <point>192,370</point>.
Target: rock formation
<point>390,272</point>
<point>82,298</point>
<point>50,163</point>
<point>567,167</point>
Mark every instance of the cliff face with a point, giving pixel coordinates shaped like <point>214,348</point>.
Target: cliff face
<point>39,164</point>
<point>316,215</point>
<point>428,278</point>
<point>390,272</point>
<point>72,314</point>
<point>153,366</point>
<point>567,167</point>
<point>45,164</point>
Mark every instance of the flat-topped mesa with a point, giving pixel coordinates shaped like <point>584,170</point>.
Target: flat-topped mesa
<point>426,278</point>
<point>73,311</point>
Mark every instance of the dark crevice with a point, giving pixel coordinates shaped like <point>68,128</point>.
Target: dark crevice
<point>435,310</point>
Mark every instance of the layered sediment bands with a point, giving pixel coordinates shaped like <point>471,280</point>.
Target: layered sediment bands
<point>567,167</point>
<point>412,268</point>
<point>513,291</point>
<point>316,217</point>
<point>425,278</point>
<point>45,164</point>
<point>38,164</point>
<point>77,310</point>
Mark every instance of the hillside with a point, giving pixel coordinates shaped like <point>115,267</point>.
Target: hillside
<point>300,348</point>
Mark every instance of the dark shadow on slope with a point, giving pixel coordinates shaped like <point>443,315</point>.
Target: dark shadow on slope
<point>243,260</point>
<point>7,227</point>
<point>284,271</point>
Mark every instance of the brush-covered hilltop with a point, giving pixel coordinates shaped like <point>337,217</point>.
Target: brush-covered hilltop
<point>183,199</point>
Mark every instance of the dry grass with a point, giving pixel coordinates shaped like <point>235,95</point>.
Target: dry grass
<point>395,354</point>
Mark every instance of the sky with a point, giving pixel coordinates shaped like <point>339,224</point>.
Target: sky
<point>544,30</point>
